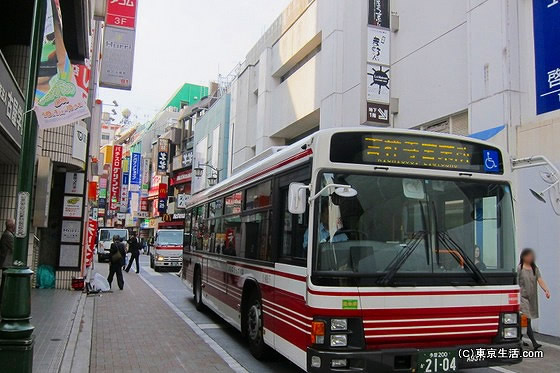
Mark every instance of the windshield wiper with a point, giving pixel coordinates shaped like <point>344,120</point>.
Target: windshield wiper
<point>401,258</point>
<point>446,239</point>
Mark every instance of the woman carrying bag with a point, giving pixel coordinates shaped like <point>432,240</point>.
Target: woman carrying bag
<point>118,253</point>
<point>529,276</point>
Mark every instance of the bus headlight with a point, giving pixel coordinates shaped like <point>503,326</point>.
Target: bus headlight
<point>509,318</point>
<point>339,340</point>
<point>510,333</point>
<point>339,324</point>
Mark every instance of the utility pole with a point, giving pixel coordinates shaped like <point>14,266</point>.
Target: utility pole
<point>16,339</point>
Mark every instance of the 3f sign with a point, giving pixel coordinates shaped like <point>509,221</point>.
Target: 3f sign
<point>120,21</point>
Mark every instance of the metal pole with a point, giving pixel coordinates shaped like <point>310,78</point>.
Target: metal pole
<point>16,340</point>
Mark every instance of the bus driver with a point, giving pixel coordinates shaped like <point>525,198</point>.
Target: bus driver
<point>324,235</point>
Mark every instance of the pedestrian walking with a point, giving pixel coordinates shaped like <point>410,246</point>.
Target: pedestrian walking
<point>529,276</point>
<point>134,250</point>
<point>117,252</point>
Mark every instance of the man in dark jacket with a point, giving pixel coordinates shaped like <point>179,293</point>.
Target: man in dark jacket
<point>117,253</point>
<point>134,250</point>
<point>7,244</point>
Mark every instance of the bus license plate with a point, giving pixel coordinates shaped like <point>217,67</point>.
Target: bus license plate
<point>437,361</point>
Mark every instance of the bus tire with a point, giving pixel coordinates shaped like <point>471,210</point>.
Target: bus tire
<point>198,290</point>
<point>254,327</point>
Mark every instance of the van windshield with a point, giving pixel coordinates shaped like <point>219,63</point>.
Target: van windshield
<point>108,234</point>
<point>170,238</point>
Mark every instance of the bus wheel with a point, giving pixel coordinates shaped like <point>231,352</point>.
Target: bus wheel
<point>255,328</point>
<point>198,291</point>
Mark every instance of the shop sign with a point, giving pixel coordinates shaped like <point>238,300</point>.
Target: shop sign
<point>187,158</point>
<point>162,198</point>
<point>116,177</point>
<point>79,142</point>
<point>72,207</point>
<point>546,30</point>
<point>379,13</point>
<point>163,156</point>
<point>74,183</point>
<point>182,200</point>
<point>69,256</point>
<point>135,169</point>
<point>121,13</point>
<point>143,204</point>
<point>91,235</point>
<point>118,58</point>
<point>181,177</point>
<point>379,46</point>
<point>71,231</point>
<point>12,105</point>
<point>145,172</point>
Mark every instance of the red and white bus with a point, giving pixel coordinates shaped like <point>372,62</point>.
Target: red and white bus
<point>364,249</point>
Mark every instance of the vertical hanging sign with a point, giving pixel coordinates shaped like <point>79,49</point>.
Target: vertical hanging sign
<point>546,25</point>
<point>378,76</point>
<point>135,175</point>
<point>118,44</point>
<point>163,156</point>
<point>162,198</point>
<point>116,171</point>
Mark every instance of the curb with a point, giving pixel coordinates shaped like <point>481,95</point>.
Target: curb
<point>76,356</point>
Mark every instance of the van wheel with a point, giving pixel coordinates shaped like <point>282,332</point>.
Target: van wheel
<point>151,262</point>
<point>198,291</point>
<point>254,328</point>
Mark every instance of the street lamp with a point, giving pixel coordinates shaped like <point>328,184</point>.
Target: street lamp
<point>212,180</point>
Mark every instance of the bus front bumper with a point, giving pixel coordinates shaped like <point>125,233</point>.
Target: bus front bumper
<point>402,360</point>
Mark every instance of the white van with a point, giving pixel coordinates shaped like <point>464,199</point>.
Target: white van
<point>105,239</point>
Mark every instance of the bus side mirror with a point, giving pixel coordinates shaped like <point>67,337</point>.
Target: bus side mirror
<point>297,194</point>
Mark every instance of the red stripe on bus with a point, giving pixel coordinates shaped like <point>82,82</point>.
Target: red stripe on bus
<point>409,293</point>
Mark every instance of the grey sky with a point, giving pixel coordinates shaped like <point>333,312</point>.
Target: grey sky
<point>191,41</point>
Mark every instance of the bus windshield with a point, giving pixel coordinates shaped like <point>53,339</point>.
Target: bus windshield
<point>405,230</point>
<point>170,238</point>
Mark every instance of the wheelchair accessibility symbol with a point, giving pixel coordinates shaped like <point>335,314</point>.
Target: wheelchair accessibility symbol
<point>491,161</point>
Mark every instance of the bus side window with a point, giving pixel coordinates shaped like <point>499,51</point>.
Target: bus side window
<point>293,229</point>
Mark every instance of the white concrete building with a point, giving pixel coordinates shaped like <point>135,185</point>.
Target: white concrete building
<point>462,66</point>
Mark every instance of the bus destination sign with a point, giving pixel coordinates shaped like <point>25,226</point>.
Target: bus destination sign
<point>417,151</point>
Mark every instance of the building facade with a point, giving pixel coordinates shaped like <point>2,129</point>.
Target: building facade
<point>467,67</point>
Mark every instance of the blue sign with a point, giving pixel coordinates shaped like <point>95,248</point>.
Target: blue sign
<point>135,165</point>
<point>546,24</point>
<point>491,160</point>
<point>125,178</point>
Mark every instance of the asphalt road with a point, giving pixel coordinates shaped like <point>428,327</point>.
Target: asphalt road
<point>169,286</point>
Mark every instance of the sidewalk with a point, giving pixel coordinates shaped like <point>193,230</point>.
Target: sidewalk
<point>53,312</point>
<point>135,331</point>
